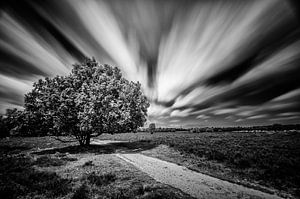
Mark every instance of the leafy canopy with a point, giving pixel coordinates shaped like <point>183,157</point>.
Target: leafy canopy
<point>91,100</point>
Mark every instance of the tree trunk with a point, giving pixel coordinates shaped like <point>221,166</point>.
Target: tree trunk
<point>81,142</point>
<point>87,139</point>
<point>84,139</point>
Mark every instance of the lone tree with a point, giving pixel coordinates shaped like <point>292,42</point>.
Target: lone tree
<point>152,127</point>
<point>93,99</point>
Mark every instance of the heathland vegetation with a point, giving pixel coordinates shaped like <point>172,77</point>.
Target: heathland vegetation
<point>266,161</point>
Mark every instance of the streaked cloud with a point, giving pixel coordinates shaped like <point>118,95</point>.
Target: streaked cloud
<point>257,117</point>
<point>225,62</point>
<point>203,117</point>
<point>224,111</point>
<point>178,113</point>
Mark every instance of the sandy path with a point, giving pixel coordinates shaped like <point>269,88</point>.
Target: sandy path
<point>195,184</point>
<point>105,142</point>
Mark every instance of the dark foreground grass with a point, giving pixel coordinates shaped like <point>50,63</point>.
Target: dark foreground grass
<point>19,178</point>
<point>271,160</point>
<point>17,145</point>
<point>82,192</point>
<point>47,160</point>
<point>74,175</point>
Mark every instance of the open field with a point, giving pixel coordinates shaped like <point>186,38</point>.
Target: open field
<point>45,168</point>
<point>268,162</point>
<point>260,160</point>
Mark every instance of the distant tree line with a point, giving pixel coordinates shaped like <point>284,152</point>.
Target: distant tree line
<point>273,127</point>
<point>162,129</point>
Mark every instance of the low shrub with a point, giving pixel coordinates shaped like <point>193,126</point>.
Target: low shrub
<point>88,163</point>
<point>101,180</point>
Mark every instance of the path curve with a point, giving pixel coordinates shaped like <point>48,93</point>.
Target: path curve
<point>193,183</point>
<point>105,142</point>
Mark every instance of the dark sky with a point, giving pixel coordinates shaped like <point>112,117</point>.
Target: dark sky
<point>201,63</point>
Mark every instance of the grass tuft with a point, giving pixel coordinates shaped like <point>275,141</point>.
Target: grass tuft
<point>101,180</point>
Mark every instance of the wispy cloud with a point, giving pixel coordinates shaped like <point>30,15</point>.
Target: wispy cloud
<point>257,117</point>
<point>177,113</point>
<point>284,118</point>
<point>224,111</point>
<point>203,117</point>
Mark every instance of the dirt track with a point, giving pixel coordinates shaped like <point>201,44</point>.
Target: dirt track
<point>195,184</point>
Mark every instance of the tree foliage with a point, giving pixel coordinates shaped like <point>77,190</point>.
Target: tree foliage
<point>91,100</point>
<point>10,123</point>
